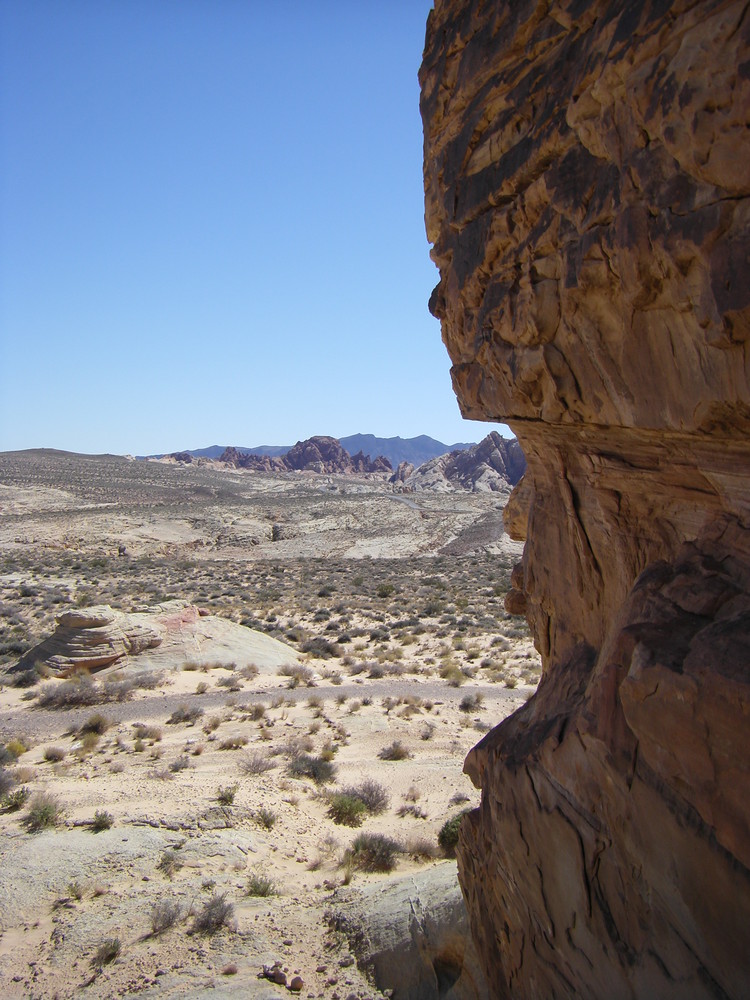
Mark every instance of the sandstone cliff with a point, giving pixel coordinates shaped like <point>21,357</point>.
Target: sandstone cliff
<point>587,182</point>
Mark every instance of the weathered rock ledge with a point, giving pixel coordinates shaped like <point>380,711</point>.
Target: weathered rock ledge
<point>588,201</point>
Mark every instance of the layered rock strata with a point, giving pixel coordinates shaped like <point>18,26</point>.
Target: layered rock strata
<point>587,183</point>
<point>91,638</point>
<point>493,465</point>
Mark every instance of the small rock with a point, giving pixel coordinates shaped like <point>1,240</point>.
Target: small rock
<point>296,984</point>
<point>346,961</point>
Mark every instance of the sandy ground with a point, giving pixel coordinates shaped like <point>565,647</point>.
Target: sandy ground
<point>212,806</point>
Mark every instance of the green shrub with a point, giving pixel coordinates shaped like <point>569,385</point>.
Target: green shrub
<point>346,810</point>
<point>14,799</point>
<point>102,821</point>
<point>260,884</point>
<point>226,795</point>
<point>307,766</point>
<point>373,796</point>
<point>265,818</point>
<point>45,811</point>
<point>448,835</point>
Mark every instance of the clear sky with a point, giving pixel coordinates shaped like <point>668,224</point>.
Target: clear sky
<point>212,226</point>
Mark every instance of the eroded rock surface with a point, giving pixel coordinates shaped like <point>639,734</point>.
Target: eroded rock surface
<point>587,192</point>
<point>492,466</point>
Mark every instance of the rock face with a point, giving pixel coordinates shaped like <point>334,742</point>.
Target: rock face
<point>587,193</point>
<point>412,936</point>
<point>91,638</point>
<point>316,454</point>
<point>493,465</point>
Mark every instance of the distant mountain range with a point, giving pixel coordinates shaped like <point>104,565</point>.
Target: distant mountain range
<point>416,451</point>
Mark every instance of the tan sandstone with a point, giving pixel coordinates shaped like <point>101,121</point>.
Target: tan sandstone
<point>587,181</point>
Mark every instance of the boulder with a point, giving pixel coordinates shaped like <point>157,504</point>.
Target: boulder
<point>410,935</point>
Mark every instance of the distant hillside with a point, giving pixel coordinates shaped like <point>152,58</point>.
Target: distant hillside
<point>495,464</point>
<point>415,451</point>
<point>316,454</point>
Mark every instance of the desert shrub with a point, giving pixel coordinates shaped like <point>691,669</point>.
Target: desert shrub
<point>164,914</point>
<point>298,674</point>
<point>265,818</point>
<point>215,913</point>
<point>346,810</point>
<point>395,751</point>
<point>15,748</point>
<point>201,687</point>
<point>260,884</point>
<point>72,693</point>
<point>318,646</point>
<point>170,863</point>
<point>232,683</point>
<point>256,710</point>
<point>184,713</point>
<point>385,589</point>
<point>422,849</point>
<point>180,763</point>
<point>14,799</point>
<point>233,743</point>
<point>27,678</point>
<point>471,702</point>
<point>448,835</point>
<point>144,732</point>
<point>54,754</point>
<point>373,796</point>
<point>102,821</point>
<point>96,723</point>
<point>107,952</point>
<point>45,810</point>
<point>307,766</point>
<point>255,763</point>
<point>249,671</point>
<point>226,795</point>
<point>374,852</point>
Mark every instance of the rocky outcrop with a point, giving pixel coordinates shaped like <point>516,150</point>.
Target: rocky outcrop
<point>89,639</point>
<point>592,236</point>
<point>411,936</point>
<point>316,454</point>
<point>493,465</point>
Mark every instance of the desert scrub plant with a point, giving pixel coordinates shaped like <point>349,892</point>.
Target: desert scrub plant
<point>217,912</point>
<point>255,762</point>
<point>102,821</point>
<point>45,810</point>
<point>96,723</point>
<point>107,952</point>
<point>164,914</point>
<point>184,713</point>
<point>265,817</point>
<point>297,674</point>
<point>374,852</point>
<point>395,751</point>
<point>308,766</point>
<point>373,796</point>
<point>16,747</point>
<point>260,884</point>
<point>226,795</point>
<point>233,743</point>
<point>471,702</point>
<point>449,831</point>
<point>53,755</point>
<point>145,732</point>
<point>14,799</point>
<point>346,810</point>
<point>170,863</point>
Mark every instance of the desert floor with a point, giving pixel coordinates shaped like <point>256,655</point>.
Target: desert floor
<point>216,768</point>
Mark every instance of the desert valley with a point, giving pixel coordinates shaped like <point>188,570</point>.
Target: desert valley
<point>235,707</point>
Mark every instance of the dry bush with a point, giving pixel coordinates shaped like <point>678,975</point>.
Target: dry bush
<point>373,852</point>
<point>373,796</point>
<point>215,913</point>
<point>255,762</point>
<point>45,811</point>
<point>184,713</point>
<point>395,751</point>
<point>164,914</point>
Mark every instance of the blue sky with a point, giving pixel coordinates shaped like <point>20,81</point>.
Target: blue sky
<point>211,225</point>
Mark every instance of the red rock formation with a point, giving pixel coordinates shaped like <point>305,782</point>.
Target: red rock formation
<point>587,183</point>
<point>316,454</point>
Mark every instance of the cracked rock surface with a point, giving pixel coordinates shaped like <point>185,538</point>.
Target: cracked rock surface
<point>587,200</point>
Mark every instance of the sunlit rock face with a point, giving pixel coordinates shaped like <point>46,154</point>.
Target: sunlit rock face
<point>587,172</point>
